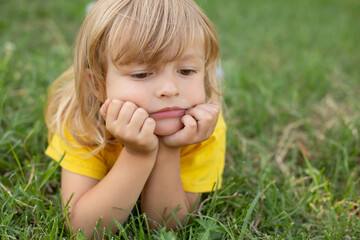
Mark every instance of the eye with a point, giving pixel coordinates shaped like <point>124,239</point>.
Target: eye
<point>141,75</point>
<point>186,72</point>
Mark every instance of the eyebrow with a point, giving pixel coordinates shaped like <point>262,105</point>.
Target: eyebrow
<point>189,56</point>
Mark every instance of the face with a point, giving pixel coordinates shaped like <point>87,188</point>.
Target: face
<point>165,92</point>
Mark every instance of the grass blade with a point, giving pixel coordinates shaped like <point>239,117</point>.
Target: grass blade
<point>50,171</point>
<point>248,215</point>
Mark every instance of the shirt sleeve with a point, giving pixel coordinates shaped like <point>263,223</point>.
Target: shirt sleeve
<point>77,159</point>
<point>202,164</point>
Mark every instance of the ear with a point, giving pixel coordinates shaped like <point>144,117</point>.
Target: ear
<point>89,77</point>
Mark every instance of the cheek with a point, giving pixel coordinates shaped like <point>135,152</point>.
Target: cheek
<point>130,93</point>
<point>196,93</point>
<point>202,96</point>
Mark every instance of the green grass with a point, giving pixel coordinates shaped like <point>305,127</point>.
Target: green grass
<point>292,92</point>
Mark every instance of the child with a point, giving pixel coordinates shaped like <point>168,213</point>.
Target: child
<point>138,114</point>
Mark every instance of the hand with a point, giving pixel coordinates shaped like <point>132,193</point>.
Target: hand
<point>131,125</point>
<point>199,123</point>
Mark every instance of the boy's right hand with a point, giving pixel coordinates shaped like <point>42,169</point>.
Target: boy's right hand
<point>131,125</point>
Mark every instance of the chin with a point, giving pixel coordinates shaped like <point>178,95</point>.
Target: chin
<point>166,127</point>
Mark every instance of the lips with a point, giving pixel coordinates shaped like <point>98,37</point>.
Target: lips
<point>172,112</point>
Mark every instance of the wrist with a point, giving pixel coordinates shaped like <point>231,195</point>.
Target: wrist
<point>136,160</point>
<point>163,145</point>
<point>141,152</point>
<point>169,151</point>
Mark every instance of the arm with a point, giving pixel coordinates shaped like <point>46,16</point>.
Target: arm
<point>115,195</point>
<point>164,192</point>
<point>111,198</point>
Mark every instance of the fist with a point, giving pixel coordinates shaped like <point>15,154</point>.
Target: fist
<point>131,125</point>
<point>199,123</point>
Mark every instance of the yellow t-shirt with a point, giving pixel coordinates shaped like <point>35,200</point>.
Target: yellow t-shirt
<point>201,164</point>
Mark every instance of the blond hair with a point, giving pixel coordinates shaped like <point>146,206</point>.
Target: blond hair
<point>127,31</point>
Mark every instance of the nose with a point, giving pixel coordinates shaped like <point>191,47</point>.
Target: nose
<point>167,86</point>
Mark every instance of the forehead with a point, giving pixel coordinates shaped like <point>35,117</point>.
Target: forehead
<point>178,49</point>
<point>193,49</point>
<point>133,39</point>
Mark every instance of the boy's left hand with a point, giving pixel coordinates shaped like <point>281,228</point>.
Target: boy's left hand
<point>199,123</point>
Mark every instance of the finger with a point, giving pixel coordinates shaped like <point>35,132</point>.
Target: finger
<point>200,114</point>
<point>189,131</point>
<point>213,106</point>
<point>148,127</point>
<point>184,136</point>
<point>113,110</point>
<point>200,111</point>
<point>147,137</point>
<point>189,122</point>
<point>191,127</point>
<point>206,113</point>
<point>206,116</point>
<point>138,118</point>
<point>126,113</point>
<point>104,108</point>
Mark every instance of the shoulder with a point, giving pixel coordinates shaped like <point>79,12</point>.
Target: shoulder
<point>75,157</point>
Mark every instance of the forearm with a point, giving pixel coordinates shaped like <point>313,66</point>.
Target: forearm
<point>115,195</point>
<point>164,192</point>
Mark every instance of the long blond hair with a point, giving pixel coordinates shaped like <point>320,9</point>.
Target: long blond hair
<point>127,31</point>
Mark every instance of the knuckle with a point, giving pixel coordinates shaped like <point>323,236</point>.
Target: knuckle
<point>149,123</point>
<point>129,105</point>
<point>116,102</point>
<point>127,136</point>
<point>190,111</point>
<point>117,132</point>
<point>109,126</point>
<point>208,118</point>
<point>143,142</point>
<point>142,112</point>
<point>192,125</point>
<point>215,109</point>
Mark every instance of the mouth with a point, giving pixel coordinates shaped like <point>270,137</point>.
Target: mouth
<point>171,112</point>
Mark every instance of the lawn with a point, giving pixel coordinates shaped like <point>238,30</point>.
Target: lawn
<point>292,91</point>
